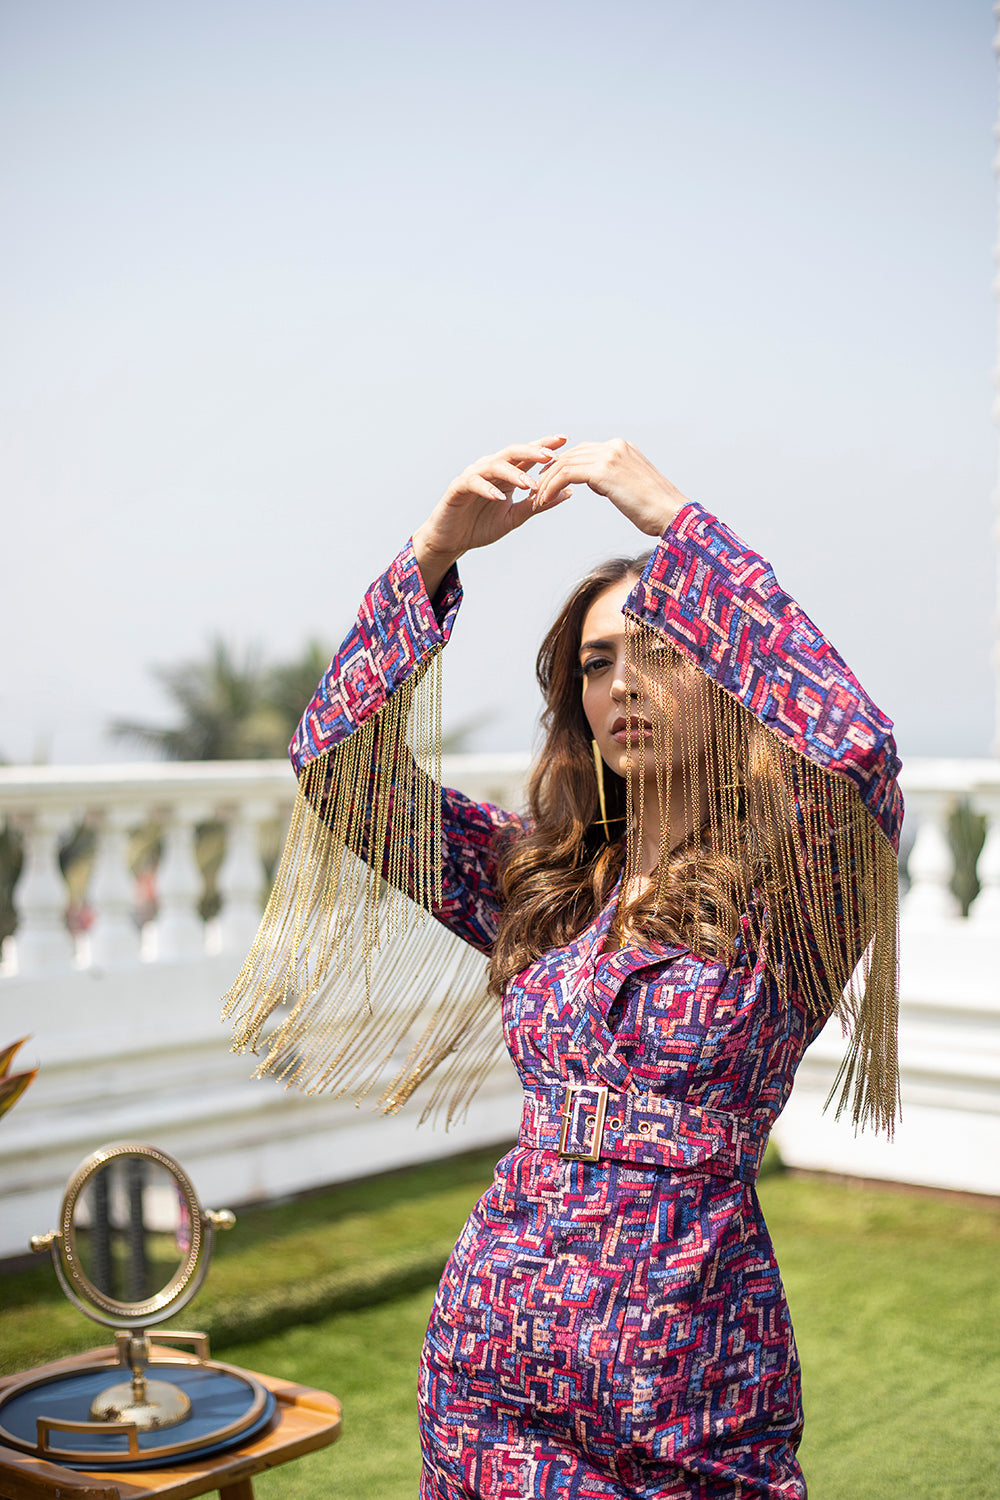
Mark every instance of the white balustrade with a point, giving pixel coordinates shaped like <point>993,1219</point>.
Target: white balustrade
<point>180,931</point>
<point>930,866</point>
<point>130,1045</point>
<point>985,910</point>
<point>114,938</point>
<point>44,945</point>
<point>241,875</point>
<point>47,803</point>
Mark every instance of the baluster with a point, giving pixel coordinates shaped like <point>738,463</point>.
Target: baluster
<point>241,877</point>
<point>930,898</point>
<point>985,910</point>
<point>115,936</point>
<point>43,942</point>
<point>180,931</point>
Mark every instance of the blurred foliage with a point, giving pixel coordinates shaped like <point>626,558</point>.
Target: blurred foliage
<point>239,708</point>
<point>966,834</point>
<point>11,859</point>
<point>231,707</point>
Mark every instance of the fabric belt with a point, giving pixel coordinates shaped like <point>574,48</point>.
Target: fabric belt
<point>594,1123</point>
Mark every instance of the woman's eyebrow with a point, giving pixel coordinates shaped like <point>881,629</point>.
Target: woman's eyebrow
<point>595,646</point>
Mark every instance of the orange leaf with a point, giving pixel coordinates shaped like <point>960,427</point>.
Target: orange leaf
<point>12,1087</point>
<point>7,1055</point>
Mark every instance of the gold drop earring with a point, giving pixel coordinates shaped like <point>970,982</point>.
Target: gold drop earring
<point>599,769</point>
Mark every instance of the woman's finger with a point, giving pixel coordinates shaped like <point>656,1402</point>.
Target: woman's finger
<point>561,473</point>
<point>525,455</point>
<point>478,484</point>
<point>559,440</point>
<point>502,472</point>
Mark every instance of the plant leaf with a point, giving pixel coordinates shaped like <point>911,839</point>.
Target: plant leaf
<point>12,1087</point>
<point>8,1054</point>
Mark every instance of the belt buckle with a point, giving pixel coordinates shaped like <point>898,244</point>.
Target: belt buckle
<point>595,1127</point>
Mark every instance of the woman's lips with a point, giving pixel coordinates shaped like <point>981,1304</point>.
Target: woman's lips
<point>633,729</point>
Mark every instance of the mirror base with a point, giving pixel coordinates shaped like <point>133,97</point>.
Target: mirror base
<point>165,1405</point>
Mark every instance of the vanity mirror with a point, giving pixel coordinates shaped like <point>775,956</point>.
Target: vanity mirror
<point>133,1244</point>
<point>132,1248</point>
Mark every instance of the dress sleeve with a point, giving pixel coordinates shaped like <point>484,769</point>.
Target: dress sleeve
<point>811,763</point>
<point>396,638</point>
<point>362,989</point>
<point>721,606</point>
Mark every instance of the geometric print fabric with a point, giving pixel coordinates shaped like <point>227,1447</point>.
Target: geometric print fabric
<point>609,1329</point>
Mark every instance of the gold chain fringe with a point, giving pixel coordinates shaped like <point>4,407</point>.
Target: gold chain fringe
<point>362,866</point>
<point>348,920</point>
<point>801,854</point>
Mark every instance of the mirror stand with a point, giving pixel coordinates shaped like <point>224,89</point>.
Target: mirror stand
<point>148,1404</point>
<point>132,1248</point>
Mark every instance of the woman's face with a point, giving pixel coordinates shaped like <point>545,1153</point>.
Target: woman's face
<point>676,698</point>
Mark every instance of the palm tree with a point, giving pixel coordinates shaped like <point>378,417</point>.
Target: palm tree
<point>227,709</point>
<point>291,684</point>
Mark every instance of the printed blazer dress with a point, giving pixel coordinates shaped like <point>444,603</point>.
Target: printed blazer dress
<point>617,1327</point>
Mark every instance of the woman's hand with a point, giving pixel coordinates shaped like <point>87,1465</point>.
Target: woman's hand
<point>622,474</point>
<point>479,507</point>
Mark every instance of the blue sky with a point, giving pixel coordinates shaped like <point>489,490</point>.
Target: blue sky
<point>271,273</point>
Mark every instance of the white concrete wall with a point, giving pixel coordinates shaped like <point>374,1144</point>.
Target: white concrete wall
<point>949,1052</point>
<point>130,1043</point>
<point>141,1055</point>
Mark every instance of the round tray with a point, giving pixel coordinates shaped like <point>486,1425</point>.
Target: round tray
<point>227,1407</point>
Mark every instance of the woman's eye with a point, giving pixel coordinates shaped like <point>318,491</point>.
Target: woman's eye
<point>595,664</point>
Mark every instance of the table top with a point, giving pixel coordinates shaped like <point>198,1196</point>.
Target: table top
<point>305,1419</point>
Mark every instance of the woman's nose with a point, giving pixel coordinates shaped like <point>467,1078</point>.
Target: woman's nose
<point>620,690</point>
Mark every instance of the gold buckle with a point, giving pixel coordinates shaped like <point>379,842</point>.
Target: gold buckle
<point>595,1125</point>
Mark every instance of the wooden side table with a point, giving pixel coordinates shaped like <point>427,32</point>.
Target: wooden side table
<point>303,1421</point>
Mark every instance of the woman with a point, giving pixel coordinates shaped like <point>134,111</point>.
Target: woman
<point>708,859</point>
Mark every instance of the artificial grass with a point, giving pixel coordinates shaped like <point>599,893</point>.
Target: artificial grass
<point>368,1358</point>
<point>283,1264</point>
<point>895,1298</point>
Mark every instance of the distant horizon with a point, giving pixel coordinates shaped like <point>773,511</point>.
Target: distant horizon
<point>277,273</point>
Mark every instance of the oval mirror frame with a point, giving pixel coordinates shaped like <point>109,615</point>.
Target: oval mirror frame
<point>182,1285</point>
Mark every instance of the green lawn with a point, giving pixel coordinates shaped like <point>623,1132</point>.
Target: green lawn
<point>895,1298</point>
<point>285,1264</point>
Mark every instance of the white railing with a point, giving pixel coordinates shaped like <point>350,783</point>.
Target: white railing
<point>125,1020</point>
<point>949,1030</point>
<point>47,803</point>
<point>933,788</point>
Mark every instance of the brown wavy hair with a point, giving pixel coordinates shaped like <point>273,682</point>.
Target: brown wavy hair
<point>555,880</point>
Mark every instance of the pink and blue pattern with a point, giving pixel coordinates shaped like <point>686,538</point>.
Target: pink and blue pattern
<point>617,1327</point>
